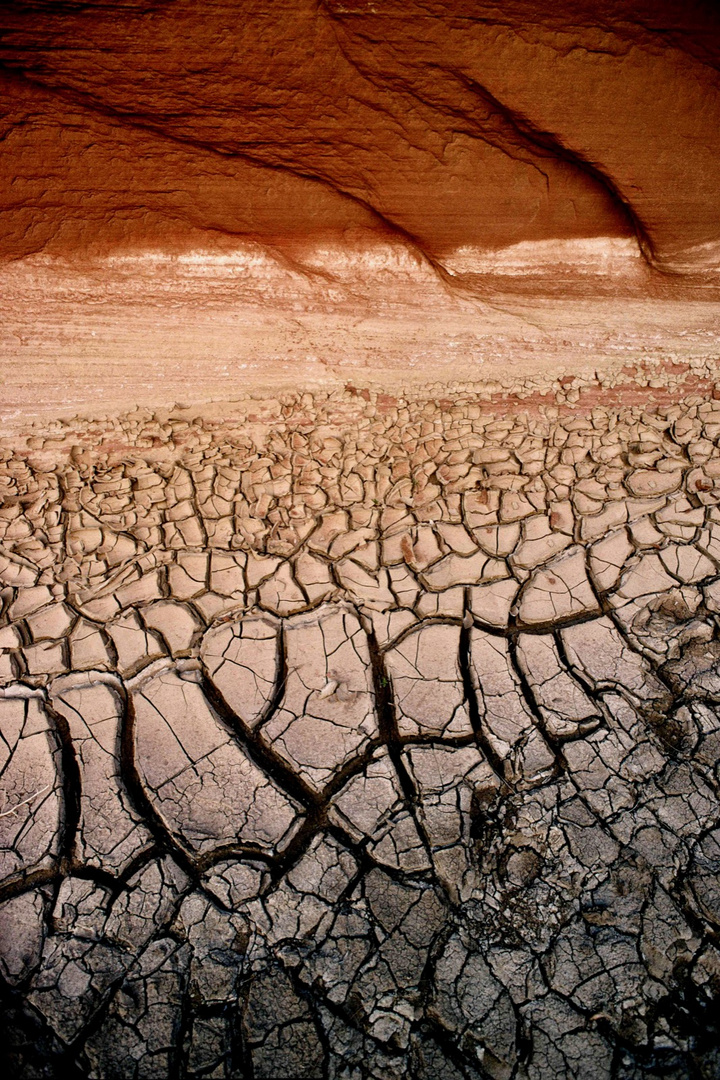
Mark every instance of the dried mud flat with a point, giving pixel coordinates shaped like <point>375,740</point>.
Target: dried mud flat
<point>355,735</point>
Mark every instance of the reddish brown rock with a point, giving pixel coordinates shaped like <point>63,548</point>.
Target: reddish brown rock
<point>236,194</point>
<point>455,126</point>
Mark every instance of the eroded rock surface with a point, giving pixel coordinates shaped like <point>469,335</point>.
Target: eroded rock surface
<point>456,127</point>
<point>373,750</point>
<point>196,199</point>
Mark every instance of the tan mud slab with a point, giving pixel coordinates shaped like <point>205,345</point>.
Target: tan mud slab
<point>379,748</point>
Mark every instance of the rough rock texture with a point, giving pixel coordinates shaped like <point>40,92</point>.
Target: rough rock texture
<point>456,126</point>
<point>361,737</point>
<point>271,192</point>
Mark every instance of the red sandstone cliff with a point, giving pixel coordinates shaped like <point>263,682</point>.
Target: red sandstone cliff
<point>456,126</point>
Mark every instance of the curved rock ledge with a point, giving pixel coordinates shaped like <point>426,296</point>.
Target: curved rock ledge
<point>456,127</point>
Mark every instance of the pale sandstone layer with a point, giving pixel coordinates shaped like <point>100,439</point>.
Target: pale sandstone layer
<point>202,327</point>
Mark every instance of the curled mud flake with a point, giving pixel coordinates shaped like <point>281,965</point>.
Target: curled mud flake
<point>498,541</point>
<point>227,573</point>
<point>566,709</point>
<point>367,588</point>
<point>176,624</point>
<point>31,792</point>
<point>469,1000</point>
<point>505,718</point>
<point>50,623</point>
<point>448,782</point>
<point>463,570</point>
<point>389,626</point>
<point>422,549</point>
<point>144,589</point>
<point>649,482</point>
<point>137,1036</point>
<point>27,601</point>
<point>371,808</point>
<point>404,586</point>
<point>696,673</point>
<point>313,576</point>
<point>281,593</point>
<point>448,604</point>
<point>645,576</point>
<point>280,1029</point>
<point>260,568</point>
<point>492,604</point>
<point>598,525</point>
<point>711,597</point>
<point>558,591</point>
<point>89,648</point>
<point>599,655</point>
<point>662,625</point>
<point>22,934</point>
<point>135,646</point>
<point>709,539</point>
<point>429,695</point>
<point>45,659</point>
<point>187,575</point>
<point>110,831</point>
<point>607,559</point>
<point>456,538</point>
<point>687,564</point>
<point>680,520</point>
<point>14,572</point>
<point>540,543</point>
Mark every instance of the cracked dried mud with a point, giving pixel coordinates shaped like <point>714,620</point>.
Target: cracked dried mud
<point>359,736</point>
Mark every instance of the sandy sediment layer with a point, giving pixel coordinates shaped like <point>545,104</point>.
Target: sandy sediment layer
<point>153,328</point>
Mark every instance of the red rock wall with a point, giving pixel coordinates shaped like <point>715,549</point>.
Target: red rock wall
<point>461,125</point>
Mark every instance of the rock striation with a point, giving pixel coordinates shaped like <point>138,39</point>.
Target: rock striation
<point>415,187</point>
<point>454,127</point>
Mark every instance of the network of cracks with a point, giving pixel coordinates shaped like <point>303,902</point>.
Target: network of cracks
<point>438,802</point>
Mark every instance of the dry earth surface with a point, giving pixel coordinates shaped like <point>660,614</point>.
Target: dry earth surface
<point>362,736</point>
